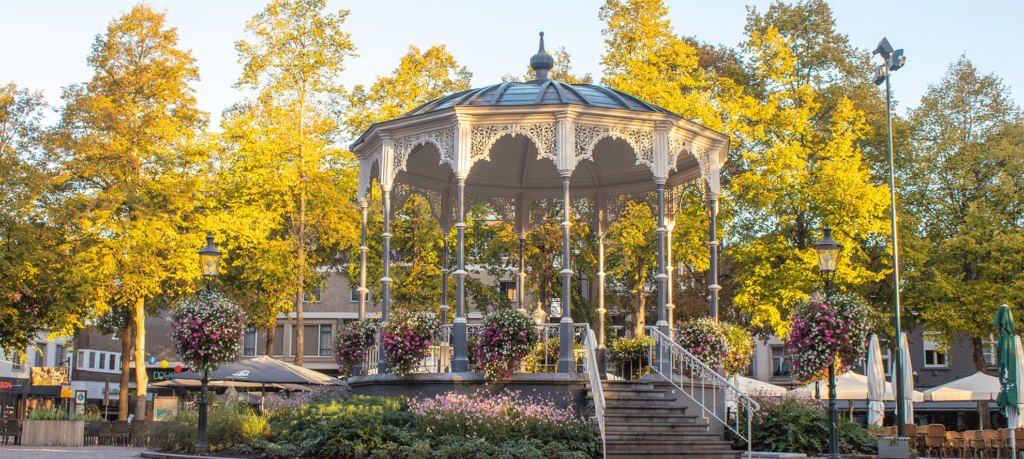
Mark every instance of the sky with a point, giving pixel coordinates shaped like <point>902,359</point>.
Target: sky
<point>45,43</point>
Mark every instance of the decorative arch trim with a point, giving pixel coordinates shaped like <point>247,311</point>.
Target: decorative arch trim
<point>366,171</point>
<point>543,136</point>
<point>442,139</point>
<point>641,140</point>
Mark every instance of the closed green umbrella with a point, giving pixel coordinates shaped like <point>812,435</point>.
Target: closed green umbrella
<point>1006,355</point>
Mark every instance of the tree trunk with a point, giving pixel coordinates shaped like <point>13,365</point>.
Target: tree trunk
<point>978,355</point>
<point>641,314</point>
<point>270,340</point>
<point>126,367</point>
<point>141,379</point>
<point>299,338</point>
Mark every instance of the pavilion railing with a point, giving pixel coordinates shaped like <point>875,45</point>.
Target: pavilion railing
<point>690,375</point>
<point>441,351</point>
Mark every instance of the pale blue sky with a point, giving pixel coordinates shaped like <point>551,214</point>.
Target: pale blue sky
<point>45,43</point>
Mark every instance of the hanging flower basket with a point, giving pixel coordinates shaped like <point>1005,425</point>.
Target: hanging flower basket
<point>506,337</point>
<point>825,332</point>
<point>705,339</point>
<point>406,337</point>
<point>352,343</point>
<point>741,349</point>
<point>207,330</point>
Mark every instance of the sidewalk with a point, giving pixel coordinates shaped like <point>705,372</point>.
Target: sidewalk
<point>85,452</point>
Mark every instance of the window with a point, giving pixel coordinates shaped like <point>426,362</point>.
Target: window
<point>355,296</point>
<point>115,363</point>
<point>313,296</point>
<point>780,363</point>
<point>92,360</point>
<point>933,357</point>
<point>989,348</point>
<point>249,343</point>
<point>749,372</point>
<point>103,360</point>
<point>60,354</point>
<point>887,361</point>
<point>40,357</point>
<point>325,340</point>
<point>508,288</point>
<point>16,361</point>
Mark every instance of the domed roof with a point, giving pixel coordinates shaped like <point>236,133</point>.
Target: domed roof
<point>539,91</point>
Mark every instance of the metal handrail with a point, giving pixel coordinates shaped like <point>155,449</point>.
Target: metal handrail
<point>681,364</point>
<point>590,344</point>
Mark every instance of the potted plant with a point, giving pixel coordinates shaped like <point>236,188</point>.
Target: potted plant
<point>893,447</point>
<point>825,332</point>
<point>506,337</point>
<point>351,345</point>
<point>406,337</point>
<point>53,428</point>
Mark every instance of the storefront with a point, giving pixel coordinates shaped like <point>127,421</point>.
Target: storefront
<point>18,395</point>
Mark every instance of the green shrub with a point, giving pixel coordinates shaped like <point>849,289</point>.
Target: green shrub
<point>227,426</point>
<point>631,356</point>
<point>61,415</point>
<point>800,425</point>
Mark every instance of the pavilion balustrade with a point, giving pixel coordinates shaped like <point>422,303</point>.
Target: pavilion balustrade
<point>441,350</point>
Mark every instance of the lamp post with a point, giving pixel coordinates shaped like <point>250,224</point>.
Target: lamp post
<point>894,60</point>
<point>209,259</point>
<point>828,253</point>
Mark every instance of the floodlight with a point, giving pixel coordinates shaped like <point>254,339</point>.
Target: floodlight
<point>880,73</point>
<point>896,60</point>
<point>884,48</point>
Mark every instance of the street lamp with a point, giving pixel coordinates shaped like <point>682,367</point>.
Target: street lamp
<point>209,259</point>
<point>828,255</point>
<point>894,60</point>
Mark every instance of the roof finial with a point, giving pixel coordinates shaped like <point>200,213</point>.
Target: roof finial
<point>541,62</point>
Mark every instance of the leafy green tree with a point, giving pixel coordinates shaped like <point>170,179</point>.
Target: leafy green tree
<point>294,59</point>
<point>965,197</point>
<point>129,158</point>
<point>36,293</point>
<point>419,78</point>
<point>633,257</point>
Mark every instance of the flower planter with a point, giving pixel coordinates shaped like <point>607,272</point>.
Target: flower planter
<point>894,447</point>
<point>53,433</point>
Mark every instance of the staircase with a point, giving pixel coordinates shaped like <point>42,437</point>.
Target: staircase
<point>641,422</point>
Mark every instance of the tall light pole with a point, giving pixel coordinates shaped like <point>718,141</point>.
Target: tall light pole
<point>894,60</point>
<point>209,258</point>
<point>828,251</point>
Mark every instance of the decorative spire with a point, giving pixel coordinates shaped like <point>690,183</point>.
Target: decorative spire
<point>541,62</point>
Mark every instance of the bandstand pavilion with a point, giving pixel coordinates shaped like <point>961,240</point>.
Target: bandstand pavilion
<point>522,148</point>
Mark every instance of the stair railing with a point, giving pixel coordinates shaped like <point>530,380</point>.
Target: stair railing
<point>590,345</point>
<point>684,371</point>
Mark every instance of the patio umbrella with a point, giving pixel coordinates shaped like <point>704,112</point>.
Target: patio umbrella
<point>851,386</point>
<point>876,384</point>
<point>978,387</point>
<point>1016,420</point>
<point>265,370</point>
<point>752,386</point>
<point>1006,360</point>
<point>908,380</point>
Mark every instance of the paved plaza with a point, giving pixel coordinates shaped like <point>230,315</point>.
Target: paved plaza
<point>87,452</point>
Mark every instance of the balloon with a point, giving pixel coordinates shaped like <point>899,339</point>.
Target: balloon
<point>163,364</point>
<point>152,360</point>
<point>177,368</point>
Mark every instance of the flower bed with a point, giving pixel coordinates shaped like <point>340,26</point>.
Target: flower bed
<point>406,338</point>
<point>826,332</point>
<point>352,343</point>
<point>506,337</point>
<point>799,425</point>
<point>207,330</point>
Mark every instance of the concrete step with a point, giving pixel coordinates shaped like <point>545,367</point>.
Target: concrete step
<point>670,446</point>
<point>639,402</point>
<point>674,455</point>
<point>646,419</point>
<point>686,437</point>
<point>668,428</point>
<point>630,393</point>
<point>606,385</point>
<point>643,410</point>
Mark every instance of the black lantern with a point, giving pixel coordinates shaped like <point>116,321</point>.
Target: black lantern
<point>828,253</point>
<point>209,258</point>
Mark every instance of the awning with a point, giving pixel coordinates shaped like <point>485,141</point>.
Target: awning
<point>265,370</point>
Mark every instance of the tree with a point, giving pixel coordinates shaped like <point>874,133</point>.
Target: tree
<point>965,195</point>
<point>129,158</point>
<point>419,78</point>
<point>36,293</point>
<point>296,57</point>
<point>633,256</point>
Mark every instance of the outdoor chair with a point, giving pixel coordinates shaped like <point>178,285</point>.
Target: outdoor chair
<point>139,433</point>
<point>13,431</point>
<point>916,441</point>
<point>975,443</point>
<point>890,431</point>
<point>104,435</point>
<point>954,446</point>
<point>935,439</point>
<point>120,432</point>
<point>92,431</point>
<point>993,443</point>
